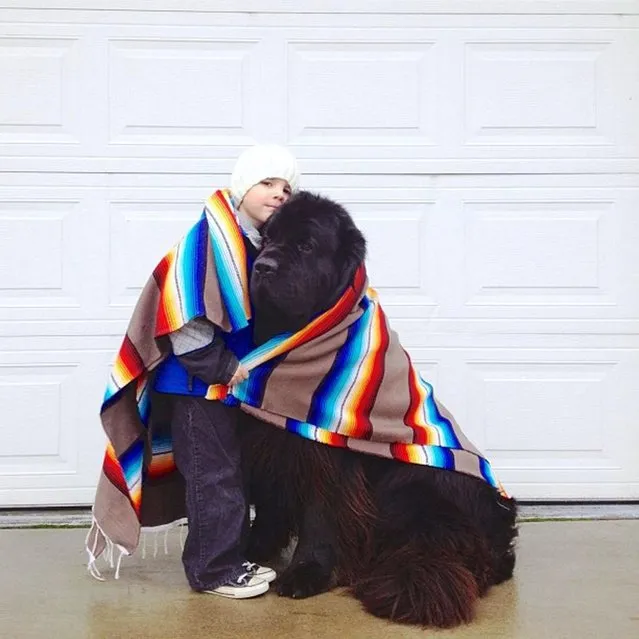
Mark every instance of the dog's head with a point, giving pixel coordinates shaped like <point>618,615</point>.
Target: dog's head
<point>310,252</point>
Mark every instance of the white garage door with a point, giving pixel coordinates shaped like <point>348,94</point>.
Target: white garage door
<point>492,159</point>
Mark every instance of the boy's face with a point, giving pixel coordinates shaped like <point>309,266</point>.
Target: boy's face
<point>263,198</point>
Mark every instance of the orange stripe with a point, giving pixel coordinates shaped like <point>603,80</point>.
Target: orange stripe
<point>409,453</point>
<point>161,464</point>
<point>170,299</point>
<point>357,418</point>
<point>231,230</point>
<point>423,433</point>
<point>370,362</point>
<point>217,391</point>
<point>121,373</point>
<point>332,439</point>
<point>136,498</point>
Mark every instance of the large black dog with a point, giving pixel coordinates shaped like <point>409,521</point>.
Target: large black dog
<point>414,544</point>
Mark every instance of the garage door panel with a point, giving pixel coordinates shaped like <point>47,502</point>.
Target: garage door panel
<point>140,233</point>
<point>40,100</point>
<point>183,92</point>
<point>557,253</point>
<point>33,394</point>
<point>397,243</point>
<point>537,93</point>
<point>382,92</point>
<point>546,409</point>
<point>563,416</point>
<point>52,252</point>
<point>148,91</point>
<point>544,416</point>
<point>50,426</point>
<point>540,253</point>
<point>73,252</point>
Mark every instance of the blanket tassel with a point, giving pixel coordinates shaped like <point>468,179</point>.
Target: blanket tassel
<point>108,552</point>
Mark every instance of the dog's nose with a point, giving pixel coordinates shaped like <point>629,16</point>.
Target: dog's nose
<point>265,266</point>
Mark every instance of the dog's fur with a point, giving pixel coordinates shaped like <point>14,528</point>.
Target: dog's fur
<point>414,544</point>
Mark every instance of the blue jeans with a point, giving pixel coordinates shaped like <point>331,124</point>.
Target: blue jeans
<point>207,453</point>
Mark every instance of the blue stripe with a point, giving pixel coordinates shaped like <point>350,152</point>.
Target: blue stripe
<point>434,418</point>
<point>228,278</point>
<point>440,457</point>
<point>324,401</point>
<point>161,445</point>
<point>487,472</point>
<point>144,404</point>
<point>252,390</point>
<point>235,310</point>
<point>304,429</point>
<point>267,347</point>
<point>111,389</point>
<point>328,400</point>
<point>192,266</point>
<point>131,463</point>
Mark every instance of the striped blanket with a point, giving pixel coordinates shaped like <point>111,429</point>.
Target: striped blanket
<point>344,380</point>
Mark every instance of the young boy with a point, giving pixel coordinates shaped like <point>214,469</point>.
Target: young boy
<point>205,439</point>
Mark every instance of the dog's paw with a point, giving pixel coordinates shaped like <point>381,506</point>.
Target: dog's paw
<point>303,579</point>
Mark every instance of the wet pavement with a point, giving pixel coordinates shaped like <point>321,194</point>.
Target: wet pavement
<point>573,580</point>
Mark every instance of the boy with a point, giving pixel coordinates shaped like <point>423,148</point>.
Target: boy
<point>205,439</point>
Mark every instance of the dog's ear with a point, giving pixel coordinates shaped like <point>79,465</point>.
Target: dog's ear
<point>352,252</point>
<point>352,242</point>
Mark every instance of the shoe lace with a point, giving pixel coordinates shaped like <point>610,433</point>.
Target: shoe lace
<point>244,578</point>
<point>250,566</point>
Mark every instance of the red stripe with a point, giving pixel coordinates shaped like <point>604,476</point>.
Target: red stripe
<point>130,358</point>
<point>219,197</point>
<point>420,435</point>
<point>400,452</point>
<point>114,474</point>
<point>337,440</point>
<point>160,274</point>
<point>367,400</point>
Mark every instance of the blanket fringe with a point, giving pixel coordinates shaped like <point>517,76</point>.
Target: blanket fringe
<point>110,546</point>
<point>97,531</point>
<point>145,531</point>
<point>107,553</point>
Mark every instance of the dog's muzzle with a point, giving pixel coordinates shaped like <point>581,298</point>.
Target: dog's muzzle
<point>265,267</point>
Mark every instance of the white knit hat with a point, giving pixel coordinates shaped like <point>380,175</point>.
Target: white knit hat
<point>260,162</point>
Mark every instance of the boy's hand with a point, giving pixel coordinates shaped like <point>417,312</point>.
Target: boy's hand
<point>239,376</point>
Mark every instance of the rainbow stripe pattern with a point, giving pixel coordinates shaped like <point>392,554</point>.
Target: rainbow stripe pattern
<point>343,403</point>
<point>180,279</point>
<point>341,408</point>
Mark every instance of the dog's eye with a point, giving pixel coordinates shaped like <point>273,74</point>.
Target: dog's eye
<point>305,247</point>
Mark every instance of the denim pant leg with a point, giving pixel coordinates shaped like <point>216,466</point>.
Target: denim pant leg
<point>207,453</point>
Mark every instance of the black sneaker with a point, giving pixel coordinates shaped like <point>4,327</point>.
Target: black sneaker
<point>261,572</point>
<point>244,587</point>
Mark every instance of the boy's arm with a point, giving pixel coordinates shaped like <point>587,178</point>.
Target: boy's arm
<point>202,351</point>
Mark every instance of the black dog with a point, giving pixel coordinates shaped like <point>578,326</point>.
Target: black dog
<point>414,544</point>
